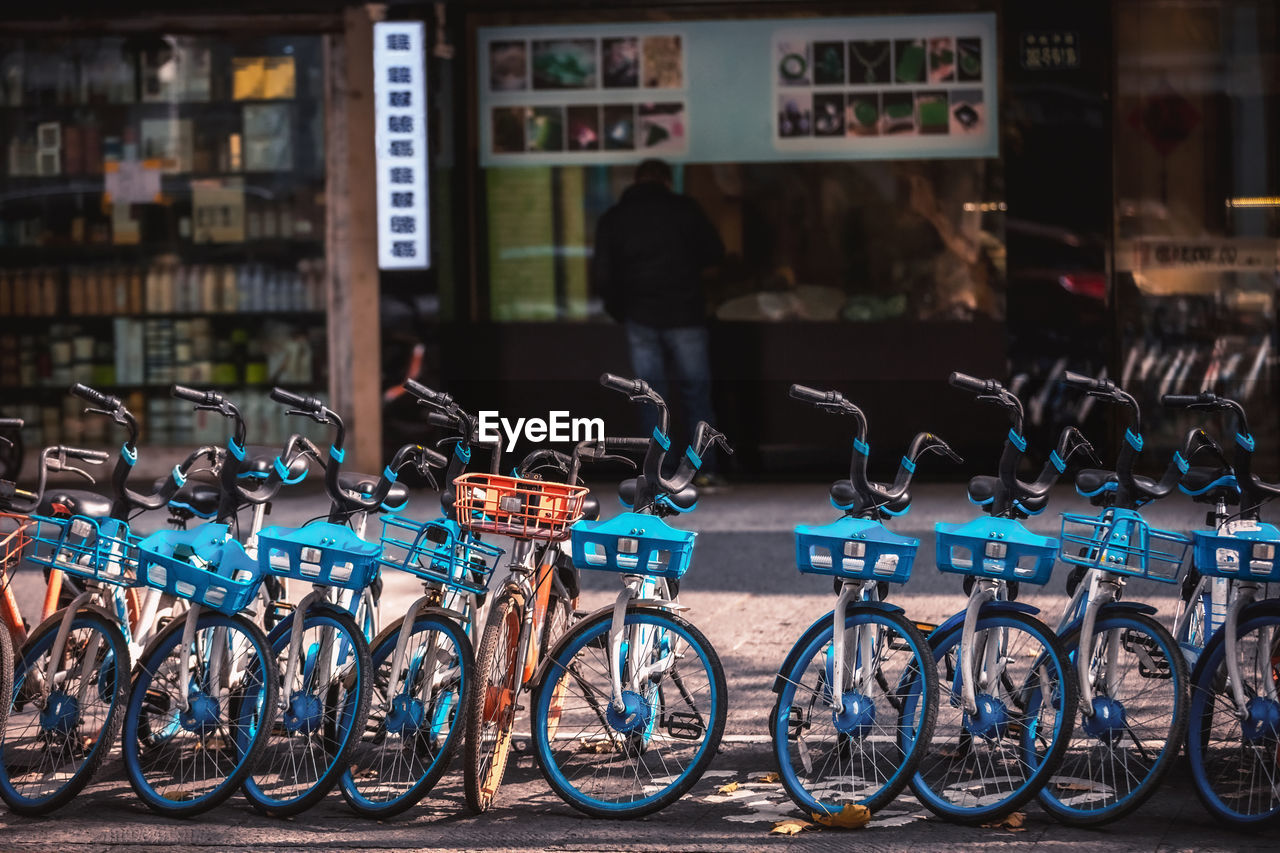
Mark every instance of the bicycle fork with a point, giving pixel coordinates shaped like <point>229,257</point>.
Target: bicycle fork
<point>864,640</point>
<point>1104,588</point>
<point>1246,591</point>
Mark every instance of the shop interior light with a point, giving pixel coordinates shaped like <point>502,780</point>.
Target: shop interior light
<point>1091,285</point>
<point>1254,201</point>
<point>984,206</point>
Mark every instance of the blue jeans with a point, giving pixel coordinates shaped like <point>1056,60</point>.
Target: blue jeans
<point>683,354</point>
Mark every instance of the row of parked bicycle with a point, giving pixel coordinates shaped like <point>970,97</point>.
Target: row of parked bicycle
<point>188,645</point>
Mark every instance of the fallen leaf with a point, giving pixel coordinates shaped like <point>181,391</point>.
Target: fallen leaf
<point>768,777</point>
<point>849,817</point>
<point>727,789</point>
<point>598,747</point>
<point>791,826</point>
<point>1013,823</point>
<point>1073,786</point>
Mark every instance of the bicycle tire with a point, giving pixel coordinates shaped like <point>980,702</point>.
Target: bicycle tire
<point>387,774</point>
<point>1101,777</point>
<point>868,754</point>
<point>950,771</point>
<point>6,674</point>
<point>221,735</point>
<point>324,716</point>
<point>30,732</point>
<point>1243,743</point>
<point>493,703</point>
<point>597,738</point>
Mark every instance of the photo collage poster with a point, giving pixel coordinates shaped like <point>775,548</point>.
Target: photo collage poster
<point>548,96</point>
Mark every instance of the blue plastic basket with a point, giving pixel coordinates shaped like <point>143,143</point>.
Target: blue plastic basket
<point>201,565</point>
<point>998,548</point>
<point>634,544</point>
<point>439,551</point>
<point>97,549</point>
<point>320,553</point>
<point>1251,551</point>
<point>1121,541</point>
<point>855,548</point>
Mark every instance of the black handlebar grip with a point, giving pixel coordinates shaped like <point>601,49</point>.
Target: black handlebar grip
<point>191,395</point>
<point>94,398</point>
<point>627,443</point>
<point>97,457</point>
<point>1187,399</point>
<point>434,459</point>
<point>422,392</point>
<point>810,395</point>
<point>440,419</point>
<point>11,423</point>
<point>965,382</point>
<point>1079,380</point>
<point>622,384</point>
<point>288,398</point>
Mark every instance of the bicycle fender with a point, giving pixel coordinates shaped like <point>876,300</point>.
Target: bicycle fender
<point>1266,607</point>
<point>989,607</point>
<point>327,607</point>
<point>56,617</point>
<point>548,655</point>
<point>816,628</point>
<point>1110,607</point>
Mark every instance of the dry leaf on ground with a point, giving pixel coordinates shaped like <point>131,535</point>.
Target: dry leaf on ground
<point>1013,823</point>
<point>792,826</point>
<point>768,777</point>
<point>727,789</point>
<point>849,817</point>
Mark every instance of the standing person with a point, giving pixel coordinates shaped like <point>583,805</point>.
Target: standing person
<point>651,250</point>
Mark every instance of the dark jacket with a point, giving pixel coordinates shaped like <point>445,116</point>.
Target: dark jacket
<point>651,249</point>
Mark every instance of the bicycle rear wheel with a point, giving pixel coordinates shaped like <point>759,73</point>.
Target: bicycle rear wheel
<point>864,754</point>
<point>413,726</point>
<point>980,768</point>
<point>492,703</point>
<point>50,753</point>
<point>321,712</point>
<point>1235,762</point>
<point>628,762</point>
<point>1120,752</point>
<point>180,762</point>
<point>6,673</point>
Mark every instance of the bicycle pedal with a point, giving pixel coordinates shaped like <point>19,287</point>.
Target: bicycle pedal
<point>683,725</point>
<point>1151,663</point>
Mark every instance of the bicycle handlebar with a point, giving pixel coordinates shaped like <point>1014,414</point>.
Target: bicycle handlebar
<point>630,387</point>
<point>972,384</point>
<point>812,395</point>
<point>11,423</point>
<point>95,397</point>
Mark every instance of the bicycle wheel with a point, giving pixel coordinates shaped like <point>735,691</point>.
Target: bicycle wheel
<point>51,751</point>
<point>6,673</point>
<point>316,723</point>
<point>1235,762</point>
<point>865,753</point>
<point>625,763</point>
<point>183,762</point>
<point>978,768</point>
<point>414,727</point>
<point>492,703</point>
<point>1119,754</point>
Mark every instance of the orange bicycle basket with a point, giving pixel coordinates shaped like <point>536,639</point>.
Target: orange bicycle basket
<point>13,537</point>
<point>521,509</point>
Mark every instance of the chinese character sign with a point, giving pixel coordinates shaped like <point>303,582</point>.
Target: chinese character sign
<point>399,86</point>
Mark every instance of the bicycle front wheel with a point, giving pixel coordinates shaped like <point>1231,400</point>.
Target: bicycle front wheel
<point>183,761</point>
<point>978,767</point>
<point>1235,751</point>
<point>319,717</point>
<point>52,748</point>
<point>6,673</point>
<point>492,703</point>
<point>629,754</point>
<point>1124,745</point>
<point>858,745</point>
<point>413,726</point>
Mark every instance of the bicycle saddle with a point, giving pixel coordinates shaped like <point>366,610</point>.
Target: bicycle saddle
<point>364,484</point>
<point>199,497</point>
<point>1099,485</point>
<point>590,508</point>
<point>1208,485</point>
<point>75,502</point>
<point>982,491</point>
<point>259,462</point>
<point>682,500</point>
<point>845,496</point>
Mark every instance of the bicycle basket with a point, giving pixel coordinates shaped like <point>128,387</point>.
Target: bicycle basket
<point>1245,550</point>
<point>521,509</point>
<point>438,551</point>
<point>1122,542</point>
<point>998,548</point>
<point>15,536</point>
<point>855,548</point>
<point>634,544</point>
<point>321,553</point>
<point>201,565</point>
<point>96,549</point>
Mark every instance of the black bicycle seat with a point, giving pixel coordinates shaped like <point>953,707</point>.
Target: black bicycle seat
<point>75,502</point>
<point>845,496</point>
<point>364,485</point>
<point>259,462</point>
<point>682,500</point>
<point>1208,485</point>
<point>982,491</point>
<point>590,508</point>
<point>1099,486</point>
<point>199,497</point>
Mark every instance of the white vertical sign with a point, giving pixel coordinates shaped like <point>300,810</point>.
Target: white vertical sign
<point>400,89</point>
